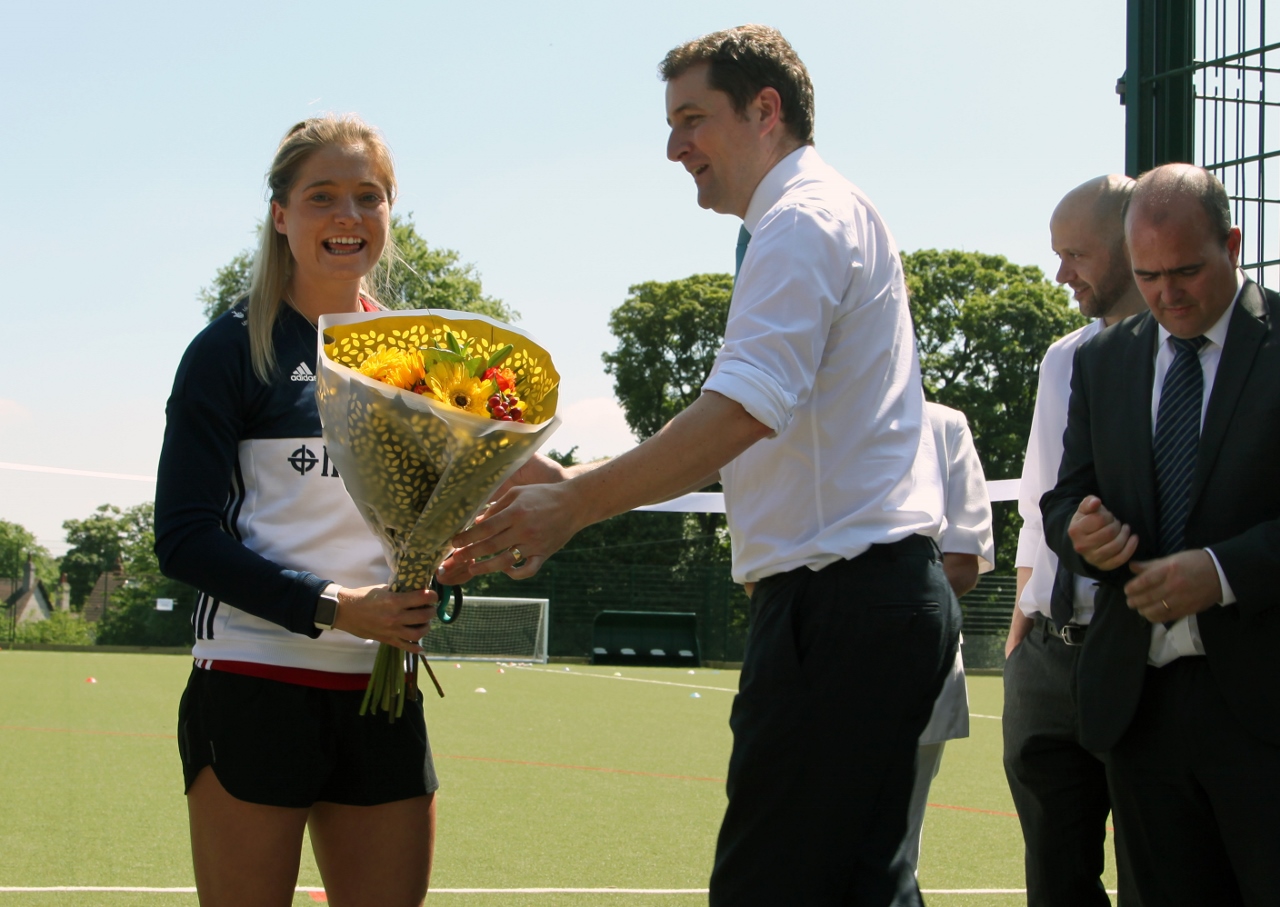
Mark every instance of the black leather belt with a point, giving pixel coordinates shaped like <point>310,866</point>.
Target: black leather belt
<point>1071,634</point>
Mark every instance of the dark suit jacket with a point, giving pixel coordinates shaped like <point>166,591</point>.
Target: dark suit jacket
<point>1235,510</point>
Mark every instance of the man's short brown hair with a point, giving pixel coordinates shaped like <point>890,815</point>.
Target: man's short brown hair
<point>745,60</point>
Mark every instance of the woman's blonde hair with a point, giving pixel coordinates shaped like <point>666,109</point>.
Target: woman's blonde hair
<point>273,263</point>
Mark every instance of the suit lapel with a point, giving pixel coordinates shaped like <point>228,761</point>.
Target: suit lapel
<point>1245,333</point>
<point>1141,371</point>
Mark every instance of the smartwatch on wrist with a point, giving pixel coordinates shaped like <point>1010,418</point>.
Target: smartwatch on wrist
<point>327,607</point>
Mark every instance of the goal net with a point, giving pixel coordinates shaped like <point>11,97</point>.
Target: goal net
<point>493,629</point>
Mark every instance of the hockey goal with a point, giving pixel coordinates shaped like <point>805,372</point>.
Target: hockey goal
<point>493,629</point>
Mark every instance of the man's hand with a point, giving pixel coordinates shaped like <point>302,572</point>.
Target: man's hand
<point>1099,537</point>
<point>1019,624</point>
<point>1172,587</point>
<point>535,520</point>
<point>537,470</point>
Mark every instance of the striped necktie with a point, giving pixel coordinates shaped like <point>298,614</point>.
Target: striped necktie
<point>743,238</point>
<point>1176,438</point>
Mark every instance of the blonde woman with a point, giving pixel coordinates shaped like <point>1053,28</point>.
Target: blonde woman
<point>292,600</point>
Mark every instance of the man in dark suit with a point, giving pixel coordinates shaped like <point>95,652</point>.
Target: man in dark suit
<point>1167,495</point>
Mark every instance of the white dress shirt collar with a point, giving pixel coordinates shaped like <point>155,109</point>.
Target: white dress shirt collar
<point>774,184</point>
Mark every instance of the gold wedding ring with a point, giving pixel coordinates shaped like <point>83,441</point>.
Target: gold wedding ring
<point>518,559</point>
<point>1166,605</point>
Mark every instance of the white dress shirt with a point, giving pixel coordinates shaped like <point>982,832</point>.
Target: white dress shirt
<point>819,347</point>
<point>1040,473</point>
<point>966,529</point>
<point>1183,637</point>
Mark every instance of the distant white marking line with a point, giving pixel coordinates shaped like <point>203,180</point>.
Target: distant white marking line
<point>669,683</point>
<point>192,890</point>
<point>665,683</point>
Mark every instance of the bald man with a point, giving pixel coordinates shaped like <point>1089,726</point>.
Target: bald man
<point>1059,787</point>
<point>1179,676</point>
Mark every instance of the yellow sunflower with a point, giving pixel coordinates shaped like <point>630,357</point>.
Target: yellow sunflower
<point>451,384</point>
<point>394,366</point>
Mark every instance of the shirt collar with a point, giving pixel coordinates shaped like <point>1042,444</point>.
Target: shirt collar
<point>1218,333</point>
<point>775,183</point>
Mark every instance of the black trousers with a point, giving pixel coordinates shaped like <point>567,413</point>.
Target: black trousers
<point>1198,795</point>
<point>1058,787</point>
<point>839,678</point>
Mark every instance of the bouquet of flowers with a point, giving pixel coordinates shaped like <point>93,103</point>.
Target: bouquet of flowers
<point>425,415</point>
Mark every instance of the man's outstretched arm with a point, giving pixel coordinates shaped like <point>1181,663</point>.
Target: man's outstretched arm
<point>538,520</point>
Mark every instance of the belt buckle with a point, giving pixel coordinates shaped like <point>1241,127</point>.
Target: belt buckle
<point>1069,635</point>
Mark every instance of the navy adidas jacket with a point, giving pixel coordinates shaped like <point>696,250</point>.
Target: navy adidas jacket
<point>249,508</point>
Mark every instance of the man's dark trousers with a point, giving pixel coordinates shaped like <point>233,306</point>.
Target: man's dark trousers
<point>1059,788</point>
<point>838,681</point>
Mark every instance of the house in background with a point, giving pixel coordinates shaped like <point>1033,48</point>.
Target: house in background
<point>30,598</point>
<point>96,602</point>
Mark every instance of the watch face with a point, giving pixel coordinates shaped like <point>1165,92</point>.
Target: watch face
<point>326,612</point>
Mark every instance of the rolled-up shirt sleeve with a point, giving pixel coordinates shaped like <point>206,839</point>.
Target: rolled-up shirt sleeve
<point>788,293</point>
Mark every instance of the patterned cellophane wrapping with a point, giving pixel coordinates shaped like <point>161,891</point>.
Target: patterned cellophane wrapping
<point>419,470</point>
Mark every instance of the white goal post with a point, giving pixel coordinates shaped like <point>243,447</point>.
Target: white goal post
<point>493,629</point>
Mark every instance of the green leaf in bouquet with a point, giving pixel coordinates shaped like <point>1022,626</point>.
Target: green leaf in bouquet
<point>499,355</point>
<point>439,355</point>
<point>475,367</point>
<point>450,339</point>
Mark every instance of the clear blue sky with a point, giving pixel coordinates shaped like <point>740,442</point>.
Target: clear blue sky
<point>529,137</point>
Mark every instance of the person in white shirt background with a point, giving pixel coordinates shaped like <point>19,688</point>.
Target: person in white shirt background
<point>1059,787</point>
<point>813,419</point>
<point>968,549</point>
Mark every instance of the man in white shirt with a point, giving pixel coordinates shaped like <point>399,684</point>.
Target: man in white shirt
<point>813,419</point>
<point>1059,787</point>
<point>968,549</point>
<point>1166,496</point>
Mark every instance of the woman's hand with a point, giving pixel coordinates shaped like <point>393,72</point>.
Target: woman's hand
<point>398,619</point>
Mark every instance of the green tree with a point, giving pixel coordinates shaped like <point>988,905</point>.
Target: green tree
<point>16,544</point>
<point>97,544</point>
<point>427,278</point>
<point>61,628</point>
<point>668,336</point>
<point>982,326</point>
<point>131,617</point>
<point>420,278</point>
<point>230,283</point>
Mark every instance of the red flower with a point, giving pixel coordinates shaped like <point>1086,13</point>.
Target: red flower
<point>505,378</point>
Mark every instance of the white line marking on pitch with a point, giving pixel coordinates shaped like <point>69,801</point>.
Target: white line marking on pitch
<point>192,890</point>
<point>665,683</point>
<point>668,683</point>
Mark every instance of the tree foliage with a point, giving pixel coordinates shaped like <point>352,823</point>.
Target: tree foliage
<point>97,543</point>
<point>230,283</point>
<point>668,336</point>
<point>16,544</point>
<point>982,326</point>
<point>62,628</point>
<point>427,278</point>
<point>131,618</point>
<point>420,278</point>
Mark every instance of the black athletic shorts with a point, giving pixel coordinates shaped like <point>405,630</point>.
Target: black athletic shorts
<point>282,744</point>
